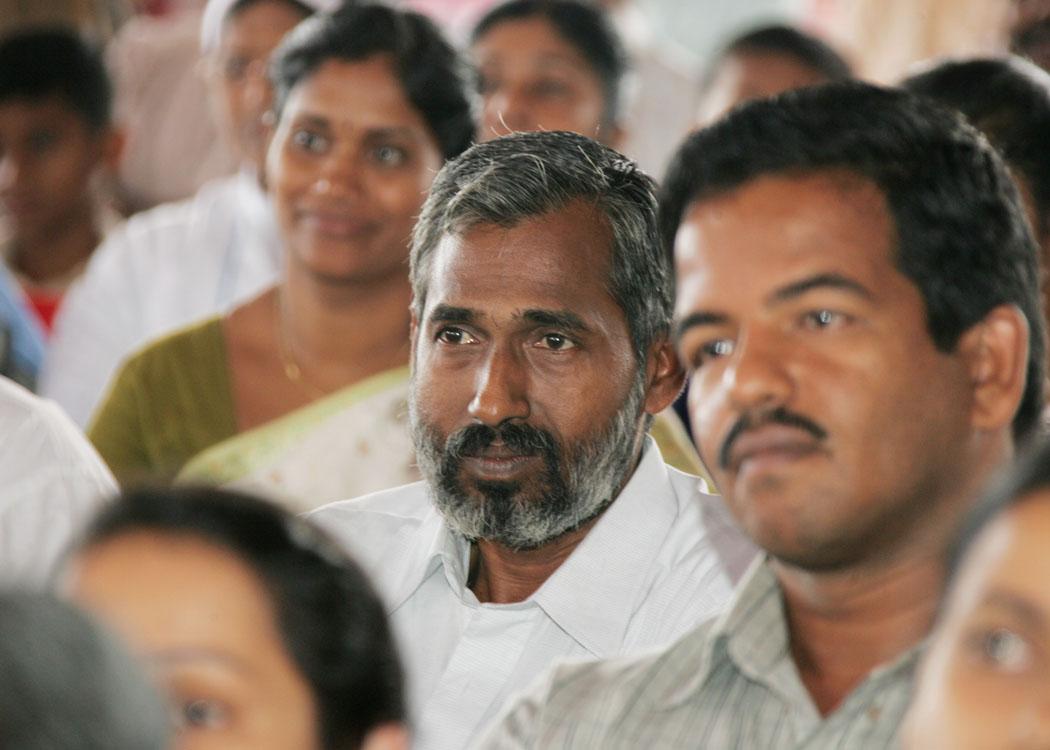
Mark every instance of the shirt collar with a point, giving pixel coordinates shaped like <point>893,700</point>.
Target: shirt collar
<point>594,593</point>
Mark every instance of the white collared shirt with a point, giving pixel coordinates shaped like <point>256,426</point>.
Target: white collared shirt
<point>163,269</point>
<point>653,566</point>
<point>51,483</point>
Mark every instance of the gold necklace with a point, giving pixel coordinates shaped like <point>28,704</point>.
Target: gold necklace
<point>286,353</point>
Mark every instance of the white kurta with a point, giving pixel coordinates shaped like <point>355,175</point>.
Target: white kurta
<point>653,566</point>
<point>51,483</point>
<point>163,269</point>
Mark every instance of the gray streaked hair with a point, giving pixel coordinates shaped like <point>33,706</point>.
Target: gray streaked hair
<point>525,175</point>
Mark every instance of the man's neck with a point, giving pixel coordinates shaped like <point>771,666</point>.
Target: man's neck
<point>500,575</point>
<point>844,625</point>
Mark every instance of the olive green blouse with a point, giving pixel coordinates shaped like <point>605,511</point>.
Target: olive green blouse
<point>169,402</point>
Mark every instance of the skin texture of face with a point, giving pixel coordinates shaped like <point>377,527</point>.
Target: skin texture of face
<point>825,413</point>
<point>743,76</point>
<point>349,166</point>
<point>984,680</point>
<point>236,71</point>
<point>48,154</point>
<point>204,624</point>
<point>533,79</point>
<point>519,329</point>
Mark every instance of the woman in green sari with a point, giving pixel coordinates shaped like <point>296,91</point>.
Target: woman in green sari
<point>302,389</point>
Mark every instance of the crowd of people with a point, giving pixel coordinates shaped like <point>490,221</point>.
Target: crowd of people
<point>467,399</point>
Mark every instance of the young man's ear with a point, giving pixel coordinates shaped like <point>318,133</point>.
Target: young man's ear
<point>664,377</point>
<point>996,353</point>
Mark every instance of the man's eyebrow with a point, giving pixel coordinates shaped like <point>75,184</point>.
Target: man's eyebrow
<point>563,319</point>
<point>696,319</point>
<point>182,655</point>
<point>450,314</point>
<point>821,281</point>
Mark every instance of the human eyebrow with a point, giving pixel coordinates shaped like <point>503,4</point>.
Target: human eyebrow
<point>561,319</point>
<point>821,281</point>
<point>450,314</point>
<point>695,320</point>
<point>312,121</point>
<point>173,656</point>
<point>1022,610</point>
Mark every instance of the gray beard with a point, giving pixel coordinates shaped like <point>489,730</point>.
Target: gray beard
<point>578,482</point>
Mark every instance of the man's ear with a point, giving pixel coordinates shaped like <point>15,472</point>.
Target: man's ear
<point>664,377</point>
<point>996,354</point>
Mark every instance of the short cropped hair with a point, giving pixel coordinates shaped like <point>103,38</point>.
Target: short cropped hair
<point>1008,99</point>
<point>787,41</point>
<point>432,73</point>
<point>584,26</point>
<point>329,617</point>
<point>961,233</point>
<point>525,175</point>
<point>55,61</point>
<point>69,685</point>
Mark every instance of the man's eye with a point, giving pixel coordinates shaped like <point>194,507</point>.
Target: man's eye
<point>454,336</point>
<point>816,319</point>
<point>390,156</point>
<point>714,349</point>
<point>201,713</point>
<point>556,342</point>
<point>1004,650</point>
<point>309,141</point>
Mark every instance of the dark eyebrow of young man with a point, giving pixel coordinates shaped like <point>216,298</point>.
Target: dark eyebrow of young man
<point>791,291</point>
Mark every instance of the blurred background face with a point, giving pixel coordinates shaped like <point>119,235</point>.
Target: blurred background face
<point>204,624</point>
<point>743,76</point>
<point>986,679</point>
<point>48,154</point>
<point>241,91</point>
<point>531,78</point>
<point>349,167</point>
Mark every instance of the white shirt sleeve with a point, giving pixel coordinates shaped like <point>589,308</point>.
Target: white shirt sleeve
<point>51,482</point>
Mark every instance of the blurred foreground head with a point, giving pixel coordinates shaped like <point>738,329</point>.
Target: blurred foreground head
<point>984,681</point>
<point>68,685</point>
<point>262,632</point>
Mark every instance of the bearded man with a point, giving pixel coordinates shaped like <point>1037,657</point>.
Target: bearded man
<point>548,525</point>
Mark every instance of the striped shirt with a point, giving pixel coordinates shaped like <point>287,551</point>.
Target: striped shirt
<point>730,683</point>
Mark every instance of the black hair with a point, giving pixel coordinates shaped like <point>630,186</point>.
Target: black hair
<point>1008,99</point>
<point>584,26</point>
<point>430,70</point>
<point>961,232</point>
<point>69,685</point>
<point>331,621</point>
<point>49,61</point>
<point>785,41</point>
<point>1029,475</point>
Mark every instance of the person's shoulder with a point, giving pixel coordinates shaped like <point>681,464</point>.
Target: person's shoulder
<point>581,703</point>
<point>401,507</point>
<point>39,434</point>
<point>192,354</point>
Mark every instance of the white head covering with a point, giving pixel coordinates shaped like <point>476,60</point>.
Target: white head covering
<point>215,15</point>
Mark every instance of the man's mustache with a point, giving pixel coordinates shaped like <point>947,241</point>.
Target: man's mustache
<point>522,439</point>
<point>751,421</point>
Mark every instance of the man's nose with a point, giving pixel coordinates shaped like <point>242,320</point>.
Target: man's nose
<point>501,390</point>
<point>758,376</point>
